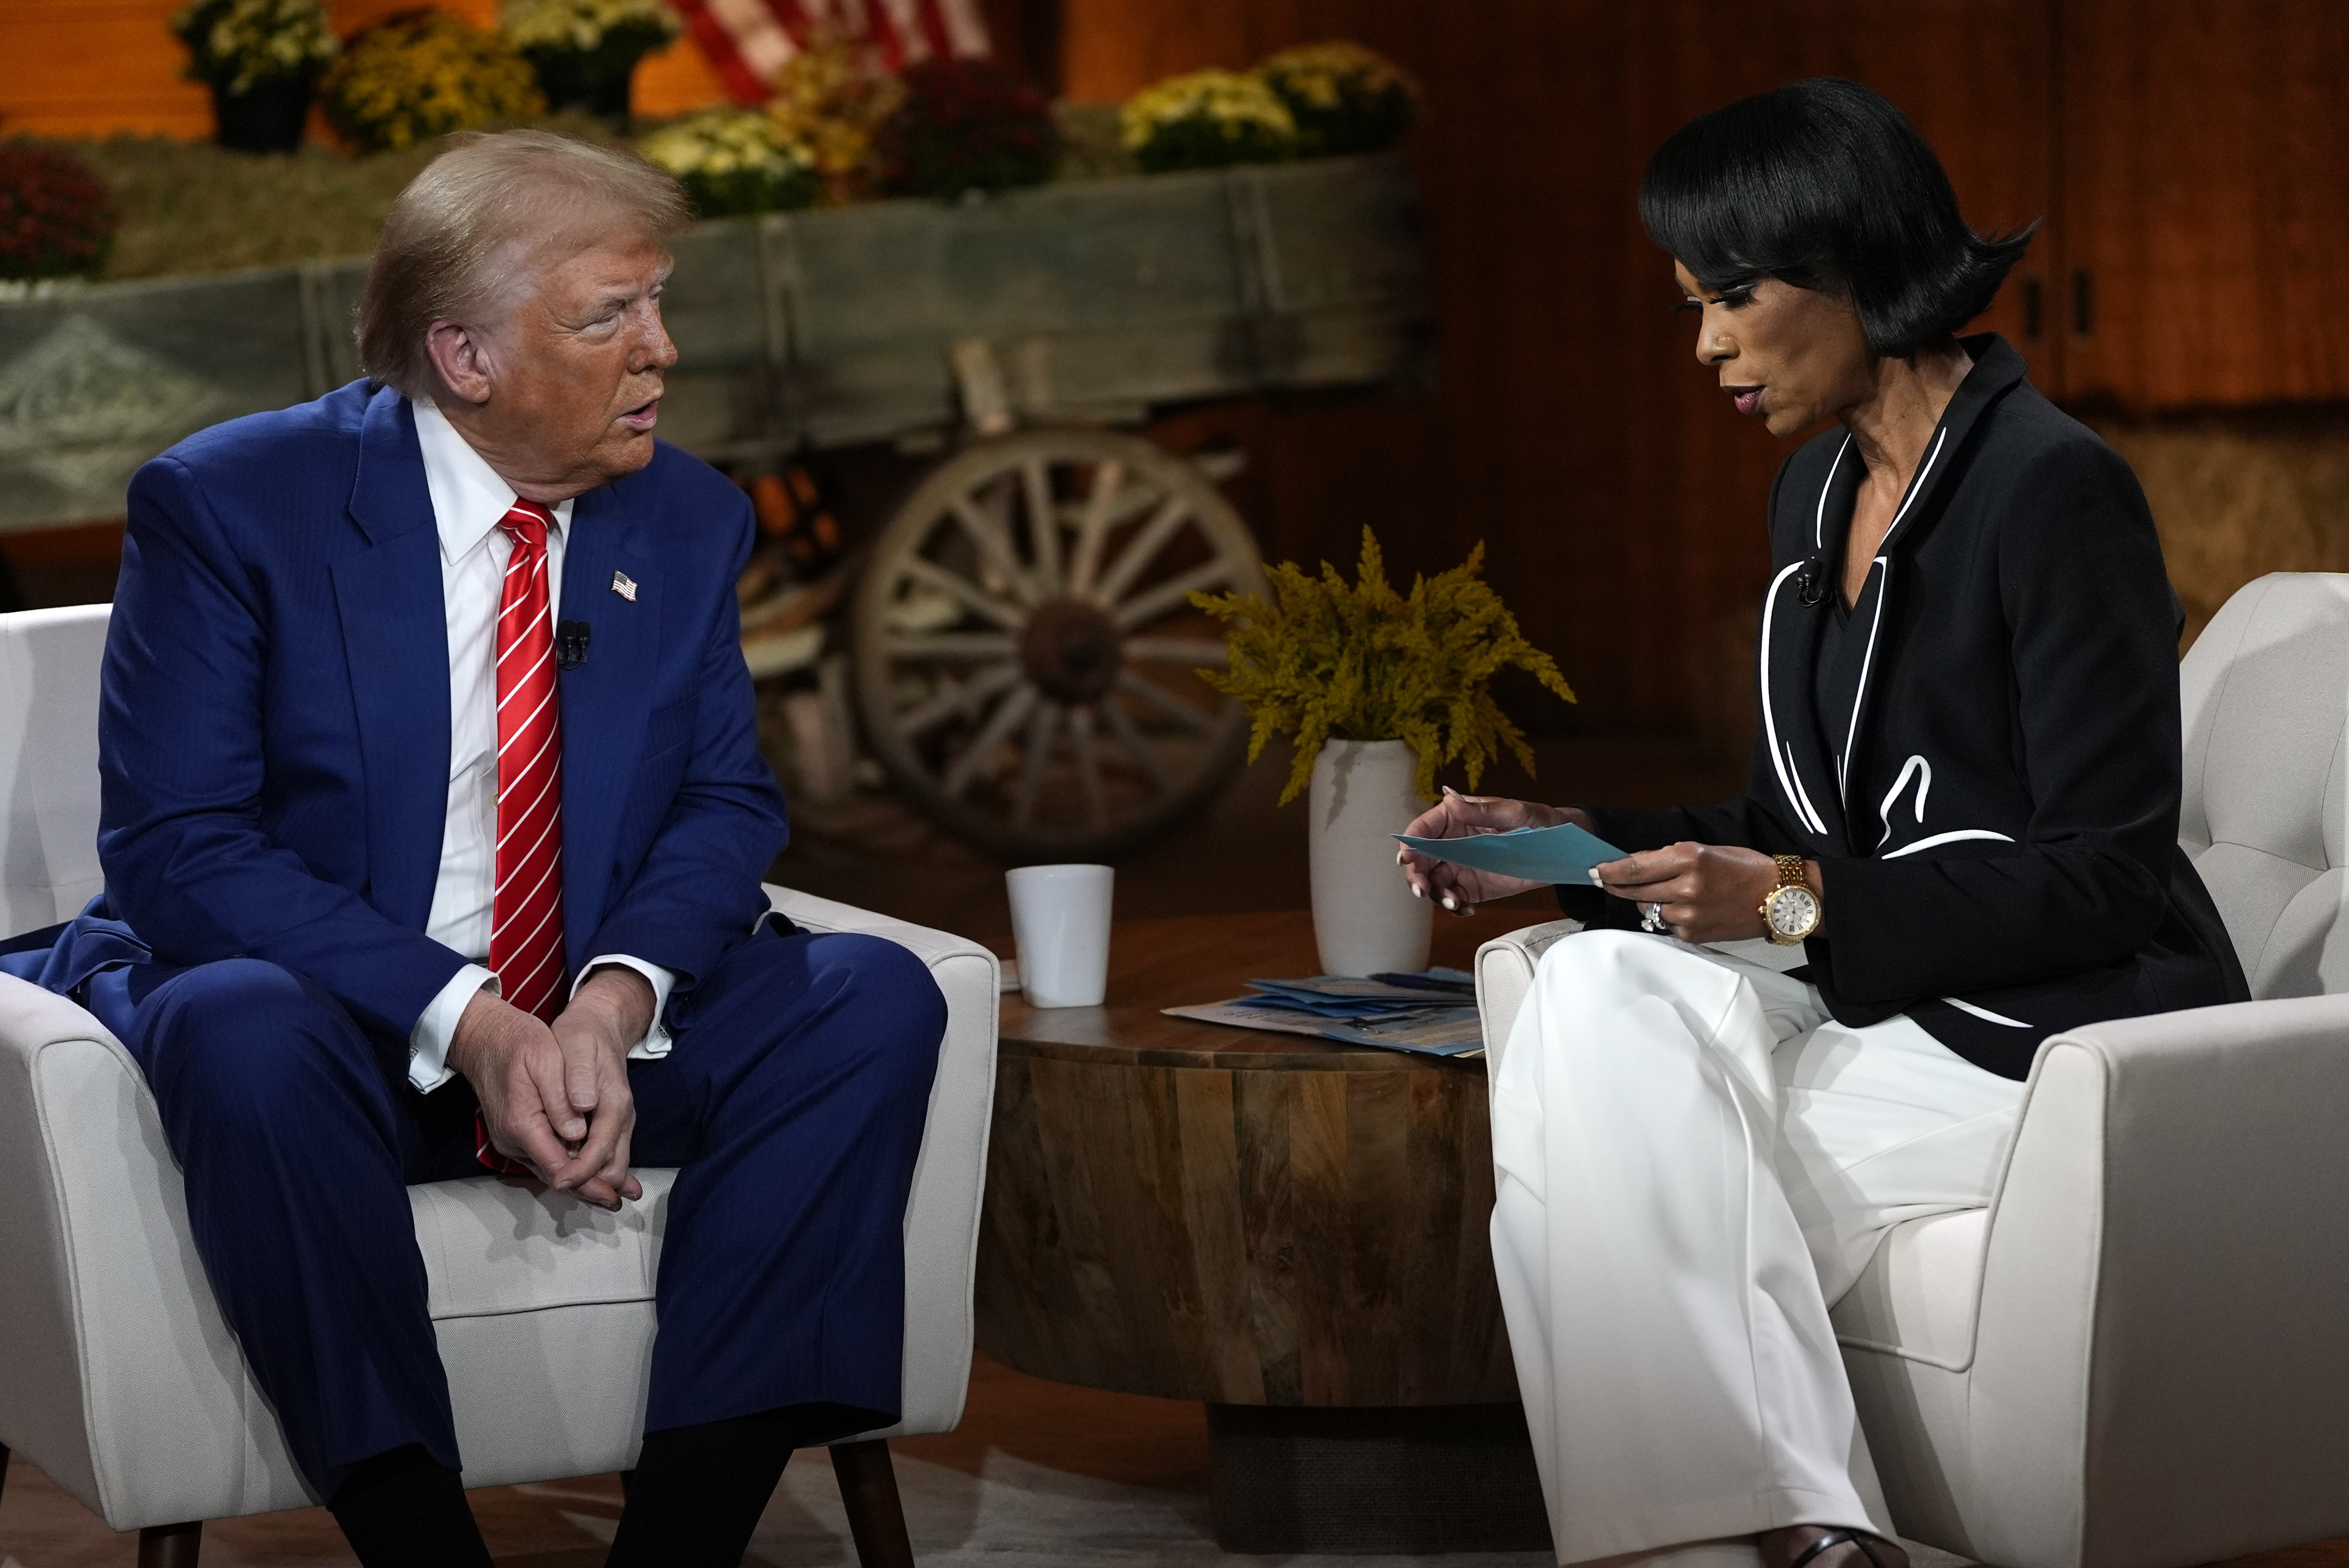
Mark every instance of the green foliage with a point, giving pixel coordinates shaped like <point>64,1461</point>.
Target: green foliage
<point>1361,662</point>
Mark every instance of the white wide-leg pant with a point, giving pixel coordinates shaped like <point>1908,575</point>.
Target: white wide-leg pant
<point>1694,1161</point>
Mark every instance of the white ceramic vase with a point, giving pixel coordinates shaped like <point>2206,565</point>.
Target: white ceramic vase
<point>1365,920</point>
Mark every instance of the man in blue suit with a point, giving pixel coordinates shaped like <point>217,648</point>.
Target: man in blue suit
<point>404,876</point>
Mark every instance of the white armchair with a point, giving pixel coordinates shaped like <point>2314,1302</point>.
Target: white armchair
<point>121,1382</point>
<point>2135,1356</point>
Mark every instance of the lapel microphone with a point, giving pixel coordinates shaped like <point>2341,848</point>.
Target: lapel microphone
<point>571,639</point>
<point>1810,584</point>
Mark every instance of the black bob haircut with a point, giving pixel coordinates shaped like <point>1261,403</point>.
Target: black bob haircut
<point>1825,185</point>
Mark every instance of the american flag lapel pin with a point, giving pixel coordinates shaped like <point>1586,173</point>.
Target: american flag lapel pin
<point>625,586</point>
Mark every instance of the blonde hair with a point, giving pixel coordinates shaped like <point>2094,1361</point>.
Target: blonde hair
<point>464,239</point>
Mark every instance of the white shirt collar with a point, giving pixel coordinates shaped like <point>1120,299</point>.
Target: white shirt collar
<point>468,496</point>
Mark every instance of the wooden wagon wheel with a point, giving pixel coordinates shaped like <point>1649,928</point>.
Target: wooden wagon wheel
<point>1025,643</point>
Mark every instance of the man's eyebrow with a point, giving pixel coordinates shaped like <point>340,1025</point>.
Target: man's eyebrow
<point>620,297</point>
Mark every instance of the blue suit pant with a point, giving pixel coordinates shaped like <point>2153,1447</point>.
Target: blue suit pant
<point>793,1103</point>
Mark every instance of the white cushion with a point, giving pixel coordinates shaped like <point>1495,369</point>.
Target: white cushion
<point>492,1246</point>
<point>1920,1296</point>
<point>49,763</point>
<point>2265,701</point>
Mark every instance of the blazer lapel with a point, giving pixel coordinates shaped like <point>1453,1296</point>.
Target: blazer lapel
<point>396,643</point>
<point>1998,368</point>
<point>606,699</point>
<point>1790,633</point>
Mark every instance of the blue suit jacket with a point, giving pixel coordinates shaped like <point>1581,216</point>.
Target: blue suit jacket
<point>273,741</point>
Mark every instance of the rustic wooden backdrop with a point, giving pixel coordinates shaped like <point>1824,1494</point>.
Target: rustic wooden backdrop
<point>2188,156</point>
<point>1570,429</point>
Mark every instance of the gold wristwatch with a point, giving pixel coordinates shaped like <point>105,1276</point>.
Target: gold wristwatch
<point>1792,911</point>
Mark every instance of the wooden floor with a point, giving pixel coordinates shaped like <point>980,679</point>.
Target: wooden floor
<point>1155,1448</point>
<point>1155,1444</point>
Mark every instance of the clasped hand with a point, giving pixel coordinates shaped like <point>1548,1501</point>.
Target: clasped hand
<point>1710,892</point>
<point>556,1096</point>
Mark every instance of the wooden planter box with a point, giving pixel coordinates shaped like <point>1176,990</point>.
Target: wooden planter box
<point>1082,301</point>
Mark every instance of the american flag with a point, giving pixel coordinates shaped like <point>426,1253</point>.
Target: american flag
<point>748,41</point>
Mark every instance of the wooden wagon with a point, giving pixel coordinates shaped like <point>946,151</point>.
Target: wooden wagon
<point>1023,643</point>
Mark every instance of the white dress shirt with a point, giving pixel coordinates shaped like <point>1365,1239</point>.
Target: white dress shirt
<point>469,499</point>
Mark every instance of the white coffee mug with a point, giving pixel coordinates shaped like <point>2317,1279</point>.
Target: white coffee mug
<point>1060,920</point>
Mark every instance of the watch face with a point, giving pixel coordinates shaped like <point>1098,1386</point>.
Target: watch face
<point>1793,912</point>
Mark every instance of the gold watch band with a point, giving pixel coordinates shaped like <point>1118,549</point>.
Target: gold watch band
<point>1791,874</point>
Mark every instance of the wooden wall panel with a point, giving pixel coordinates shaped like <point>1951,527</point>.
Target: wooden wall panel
<point>97,67</point>
<point>2207,156</point>
<point>1570,429</point>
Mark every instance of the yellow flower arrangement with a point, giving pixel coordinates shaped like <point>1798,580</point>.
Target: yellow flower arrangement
<point>731,163</point>
<point>1207,120</point>
<point>592,37</point>
<point>421,74</point>
<point>584,26</point>
<point>830,100</point>
<point>1345,98</point>
<point>236,45</point>
<point>1361,662</point>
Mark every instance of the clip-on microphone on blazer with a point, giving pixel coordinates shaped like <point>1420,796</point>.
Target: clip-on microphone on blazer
<point>1811,581</point>
<point>571,639</point>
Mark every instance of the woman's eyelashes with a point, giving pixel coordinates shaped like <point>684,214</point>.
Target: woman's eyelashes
<point>1730,299</point>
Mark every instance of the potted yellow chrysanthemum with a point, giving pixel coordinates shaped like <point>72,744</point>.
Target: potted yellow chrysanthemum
<point>1377,689</point>
<point>585,51</point>
<point>262,60</point>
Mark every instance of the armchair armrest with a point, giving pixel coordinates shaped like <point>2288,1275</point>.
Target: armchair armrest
<point>116,1351</point>
<point>1505,974</point>
<point>2171,1230</point>
<point>942,1217</point>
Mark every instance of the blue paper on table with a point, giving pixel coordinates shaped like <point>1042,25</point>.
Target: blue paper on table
<point>1561,854</point>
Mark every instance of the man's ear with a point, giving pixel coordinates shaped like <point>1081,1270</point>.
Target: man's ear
<point>462,359</point>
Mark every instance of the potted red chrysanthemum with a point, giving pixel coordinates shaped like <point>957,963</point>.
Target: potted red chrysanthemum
<point>56,217</point>
<point>964,126</point>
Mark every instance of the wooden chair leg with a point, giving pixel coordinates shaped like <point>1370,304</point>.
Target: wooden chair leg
<point>171,1545</point>
<point>868,1491</point>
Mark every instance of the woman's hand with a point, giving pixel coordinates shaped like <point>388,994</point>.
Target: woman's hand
<point>1710,892</point>
<point>1459,888</point>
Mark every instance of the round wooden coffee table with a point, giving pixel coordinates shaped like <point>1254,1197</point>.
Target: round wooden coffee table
<point>1293,1231</point>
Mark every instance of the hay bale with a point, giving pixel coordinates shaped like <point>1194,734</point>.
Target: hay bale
<point>2240,494</point>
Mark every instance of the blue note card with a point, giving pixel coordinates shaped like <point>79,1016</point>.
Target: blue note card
<point>1561,854</point>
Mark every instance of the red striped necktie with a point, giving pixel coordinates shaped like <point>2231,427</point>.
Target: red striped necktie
<point>526,910</point>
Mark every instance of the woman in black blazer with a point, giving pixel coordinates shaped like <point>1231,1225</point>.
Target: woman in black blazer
<point>1962,824</point>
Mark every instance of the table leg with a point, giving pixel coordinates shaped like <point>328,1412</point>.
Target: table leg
<point>1423,1478</point>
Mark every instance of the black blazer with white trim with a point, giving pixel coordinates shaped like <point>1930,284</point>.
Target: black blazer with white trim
<point>1996,817</point>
